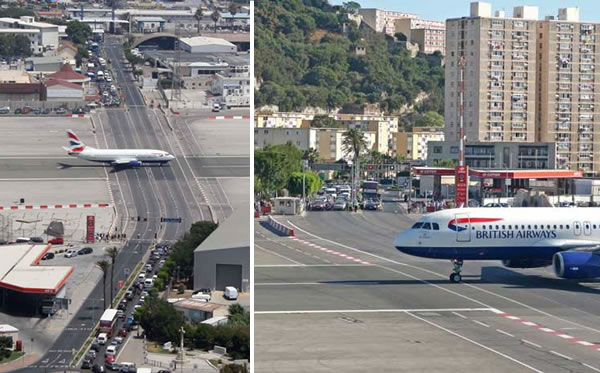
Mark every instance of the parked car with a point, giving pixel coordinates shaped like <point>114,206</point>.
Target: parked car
<point>70,253</point>
<point>5,110</point>
<point>45,111</point>
<point>57,241</point>
<point>123,332</point>
<point>36,239</point>
<point>87,364</point>
<point>340,204</point>
<point>85,250</point>
<point>48,256</point>
<point>98,368</point>
<point>18,111</point>
<point>60,111</point>
<point>26,110</point>
<point>36,111</point>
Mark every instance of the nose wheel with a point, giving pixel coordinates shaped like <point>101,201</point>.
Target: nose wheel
<point>455,275</point>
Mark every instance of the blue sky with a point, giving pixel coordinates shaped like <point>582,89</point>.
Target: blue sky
<point>440,10</point>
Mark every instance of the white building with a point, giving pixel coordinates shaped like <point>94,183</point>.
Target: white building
<point>203,44</point>
<point>63,91</point>
<point>41,35</point>
<point>234,89</point>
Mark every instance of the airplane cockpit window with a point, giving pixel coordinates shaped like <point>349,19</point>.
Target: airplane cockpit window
<point>567,226</point>
<point>417,225</point>
<point>436,226</point>
<point>426,226</point>
<point>554,226</point>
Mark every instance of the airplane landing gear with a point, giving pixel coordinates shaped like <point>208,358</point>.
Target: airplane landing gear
<point>455,275</point>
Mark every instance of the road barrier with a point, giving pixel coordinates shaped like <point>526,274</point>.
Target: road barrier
<point>280,227</point>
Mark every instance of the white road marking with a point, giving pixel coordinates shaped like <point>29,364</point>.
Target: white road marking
<point>528,323</point>
<point>505,333</point>
<point>481,323</point>
<point>565,336</point>
<point>288,283</point>
<point>561,355</point>
<point>397,310</point>
<point>476,343</point>
<point>531,343</point>
<point>53,178</point>
<point>445,276</point>
<point>585,343</point>
<point>276,254</point>
<point>547,330</point>
<point>460,315</point>
<point>591,367</point>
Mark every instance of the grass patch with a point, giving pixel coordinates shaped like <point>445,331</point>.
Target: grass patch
<point>157,348</point>
<point>13,356</point>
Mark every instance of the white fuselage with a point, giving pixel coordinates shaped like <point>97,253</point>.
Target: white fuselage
<point>123,155</point>
<point>501,233</point>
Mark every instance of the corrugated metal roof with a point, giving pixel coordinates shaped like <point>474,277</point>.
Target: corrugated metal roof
<point>234,232</point>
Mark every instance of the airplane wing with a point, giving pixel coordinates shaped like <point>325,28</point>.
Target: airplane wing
<point>125,161</point>
<point>574,245</point>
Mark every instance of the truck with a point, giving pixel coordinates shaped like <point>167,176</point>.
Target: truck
<point>48,307</point>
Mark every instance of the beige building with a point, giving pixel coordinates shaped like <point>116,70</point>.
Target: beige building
<point>430,36</point>
<point>526,80</point>
<point>382,20</point>
<point>413,145</point>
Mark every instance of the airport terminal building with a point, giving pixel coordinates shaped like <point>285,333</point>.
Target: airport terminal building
<point>223,259</point>
<point>25,284</point>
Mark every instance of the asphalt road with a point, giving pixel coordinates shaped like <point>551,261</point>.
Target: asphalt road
<point>148,192</point>
<point>340,297</point>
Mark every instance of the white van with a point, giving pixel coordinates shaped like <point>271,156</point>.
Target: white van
<point>148,283</point>
<point>142,277</point>
<point>230,293</point>
<point>100,75</point>
<point>216,108</point>
<point>111,350</point>
<point>102,338</point>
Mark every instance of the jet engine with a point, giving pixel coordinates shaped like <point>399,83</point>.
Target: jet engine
<point>576,265</point>
<point>135,164</point>
<point>526,263</point>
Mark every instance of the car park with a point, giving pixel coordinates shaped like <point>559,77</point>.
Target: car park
<point>85,250</point>
<point>48,256</point>
<point>70,253</point>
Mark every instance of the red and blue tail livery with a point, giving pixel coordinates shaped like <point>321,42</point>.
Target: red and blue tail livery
<point>454,223</point>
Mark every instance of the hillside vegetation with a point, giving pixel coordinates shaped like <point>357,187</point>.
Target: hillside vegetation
<point>303,59</point>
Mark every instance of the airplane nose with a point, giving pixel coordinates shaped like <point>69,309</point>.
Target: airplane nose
<point>401,239</point>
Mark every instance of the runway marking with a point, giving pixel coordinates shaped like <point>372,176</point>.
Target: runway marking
<point>505,333</point>
<point>276,254</point>
<point>460,315</point>
<point>565,336</point>
<point>585,343</point>
<point>560,355</point>
<point>305,265</point>
<point>444,276</point>
<point>481,323</point>
<point>531,343</point>
<point>288,283</point>
<point>591,367</point>
<point>475,343</point>
<point>547,330</point>
<point>53,179</point>
<point>392,310</point>
<point>329,251</point>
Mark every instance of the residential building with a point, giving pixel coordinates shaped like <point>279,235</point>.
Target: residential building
<point>233,88</point>
<point>497,155</point>
<point>430,36</point>
<point>42,36</point>
<point>282,120</point>
<point>66,51</point>
<point>196,310</point>
<point>382,20</point>
<point>414,145</point>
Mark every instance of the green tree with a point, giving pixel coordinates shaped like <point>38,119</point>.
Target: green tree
<point>112,253</point>
<point>450,163</point>
<point>352,7</point>
<point>198,16</point>
<point>430,119</point>
<point>78,32</point>
<point>274,164</point>
<point>182,255</point>
<point>311,155</point>
<point>12,12</point>
<point>233,10</point>
<point>325,121</point>
<point>312,183</point>
<point>215,17</point>
<point>81,54</point>
<point>234,368</point>
<point>103,265</point>
<point>354,145</point>
<point>160,321</point>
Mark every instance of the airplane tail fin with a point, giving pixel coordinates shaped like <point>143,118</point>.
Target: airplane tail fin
<point>75,145</point>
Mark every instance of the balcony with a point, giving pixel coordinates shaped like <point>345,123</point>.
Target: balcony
<point>586,127</point>
<point>586,148</point>
<point>518,125</point>
<point>563,138</point>
<point>563,146</point>
<point>586,137</point>
<point>586,117</point>
<point>563,126</point>
<point>496,136</point>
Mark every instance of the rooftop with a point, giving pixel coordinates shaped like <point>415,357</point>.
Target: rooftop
<point>234,232</point>
<point>14,76</point>
<point>66,73</point>
<point>233,59</point>
<point>50,59</point>
<point>203,40</point>
<point>197,304</point>
<point>27,21</point>
<point>18,31</point>
<point>5,328</point>
<point>150,19</point>
<point>64,83</point>
<point>20,270</point>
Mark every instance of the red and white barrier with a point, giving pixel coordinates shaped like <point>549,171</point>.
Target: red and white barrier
<point>229,117</point>
<point>43,207</point>
<point>77,116</point>
<point>287,231</point>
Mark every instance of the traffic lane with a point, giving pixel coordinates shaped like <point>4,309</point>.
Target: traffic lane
<point>336,342</point>
<point>51,167</point>
<point>220,166</point>
<point>523,292</point>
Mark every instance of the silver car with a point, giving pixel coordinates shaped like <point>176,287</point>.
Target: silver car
<point>340,204</point>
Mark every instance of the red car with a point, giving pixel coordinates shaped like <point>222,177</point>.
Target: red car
<point>110,359</point>
<point>123,332</point>
<point>57,241</point>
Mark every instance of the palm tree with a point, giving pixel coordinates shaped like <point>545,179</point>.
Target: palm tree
<point>312,155</point>
<point>112,253</point>
<point>198,15</point>
<point>354,144</point>
<point>103,265</point>
<point>233,9</point>
<point>215,17</point>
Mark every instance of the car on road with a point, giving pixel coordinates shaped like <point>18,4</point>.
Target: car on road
<point>123,332</point>
<point>372,204</point>
<point>129,294</point>
<point>340,204</point>
<point>110,363</point>
<point>95,346</point>
<point>87,364</point>
<point>57,241</point>
<point>98,368</point>
<point>119,339</point>
<point>48,256</point>
<point>128,368</point>
<point>70,253</point>
<point>319,205</point>
<point>110,350</point>
<point>91,354</point>
<point>216,108</point>
<point>85,250</point>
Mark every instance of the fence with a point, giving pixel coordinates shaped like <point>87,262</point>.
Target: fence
<point>13,104</point>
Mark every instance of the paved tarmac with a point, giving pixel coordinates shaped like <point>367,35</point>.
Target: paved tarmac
<point>339,297</point>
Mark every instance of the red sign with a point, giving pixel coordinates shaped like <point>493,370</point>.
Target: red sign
<point>120,284</point>
<point>91,222</point>
<point>462,185</point>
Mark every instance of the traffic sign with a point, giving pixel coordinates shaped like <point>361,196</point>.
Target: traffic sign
<point>170,220</point>
<point>120,284</point>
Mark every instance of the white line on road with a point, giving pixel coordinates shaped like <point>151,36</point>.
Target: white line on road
<point>481,323</point>
<point>531,343</point>
<point>505,333</point>
<point>397,310</point>
<point>288,283</point>
<point>460,315</point>
<point>52,178</point>
<point>276,254</point>
<point>305,265</point>
<point>476,343</point>
<point>591,367</point>
<point>561,355</point>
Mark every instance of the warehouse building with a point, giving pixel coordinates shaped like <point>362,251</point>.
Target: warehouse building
<point>223,259</point>
<point>203,44</point>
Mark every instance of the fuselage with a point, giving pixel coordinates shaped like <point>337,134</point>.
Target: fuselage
<point>501,233</point>
<point>118,155</point>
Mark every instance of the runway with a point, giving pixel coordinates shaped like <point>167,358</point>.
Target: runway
<point>339,296</point>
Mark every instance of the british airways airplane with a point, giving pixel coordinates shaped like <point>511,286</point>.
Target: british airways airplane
<point>521,237</point>
<point>116,157</point>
